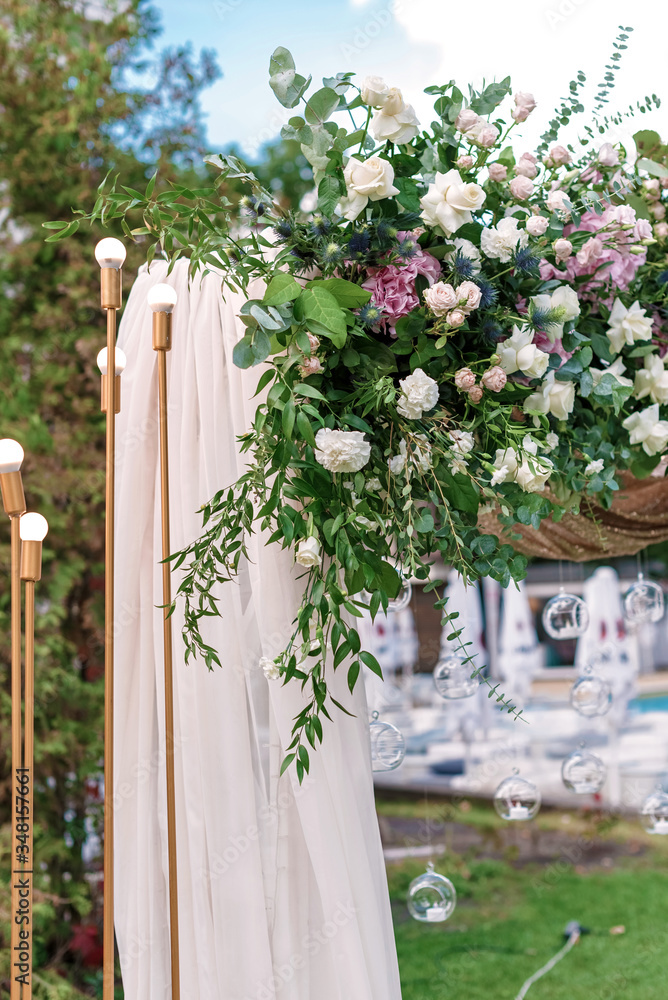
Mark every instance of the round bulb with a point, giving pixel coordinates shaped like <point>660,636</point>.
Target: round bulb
<point>162,298</point>
<point>11,455</point>
<point>33,528</point>
<point>110,252</point>
<point>119,357</point>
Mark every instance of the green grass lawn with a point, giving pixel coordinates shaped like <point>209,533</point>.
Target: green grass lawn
<point>509,921</point>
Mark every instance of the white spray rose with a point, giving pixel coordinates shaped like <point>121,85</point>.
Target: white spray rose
<point>563,297</point>
<point>499,242</point>
<point>592,468</point>
<point>533,473</point>
<point>462,442</point>
<point>396,121</point>
<point>449,202</point>
<point>519,353</point>
<point>652,380</point>
<point>270,668</point>
<point>342,451</point>
<point>626,326</point>
<point>419,393</point>
<point>308,552</point>
<point>374,91</point>
<point>645,428</point>
<point>557,398</point>
<point>616,369</point>
<point>608,155</point>
<point>366,180</point>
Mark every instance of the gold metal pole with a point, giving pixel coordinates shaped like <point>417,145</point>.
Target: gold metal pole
<point>14,503</point>
<point>162,326</point>
<point>110,254</point>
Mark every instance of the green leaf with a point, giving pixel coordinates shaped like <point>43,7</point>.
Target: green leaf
<point>286,83</point>
<point>347,293</point>
<point>656,169</point>
<point>305,429</point>
<point>304,389</point>
<point>371,662</point>
<point>329,192</point>
<point>462,494</point>
<point>287,761</point>
<point>282,288</point>
<point>243,355</point>
<point>320,308</point>
<point>424,523</point>
<point>288,418</point>
<point>353,674</point>
<point>408,195</point>
<point>320,105</point>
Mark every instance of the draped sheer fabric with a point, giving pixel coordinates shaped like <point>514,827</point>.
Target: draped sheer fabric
<point>282,888</point>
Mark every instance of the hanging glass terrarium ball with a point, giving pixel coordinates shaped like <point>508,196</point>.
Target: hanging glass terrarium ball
<point>388,746</point>
<point>403,598</point>
<point>583,772</point>
<point>591,695</point>
<point>452,677</point>
<point>643,601</point>
<point>516,798</point>
<point>431,897</point>
<point>565,616</point>
<point>654,812</point>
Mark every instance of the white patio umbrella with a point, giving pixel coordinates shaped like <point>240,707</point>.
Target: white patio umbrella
<point>518,644</point>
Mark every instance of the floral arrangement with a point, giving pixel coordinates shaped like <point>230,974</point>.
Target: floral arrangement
<point>450,327</point>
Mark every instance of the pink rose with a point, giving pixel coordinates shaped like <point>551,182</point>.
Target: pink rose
<point>475,394</point>
<point>464,162</point>
<point>526,166</point>
<point>562,250</point>
<point>524,105</point>
<point>608,155</point>
<point>466,119</point>
<point>661,230</point>
<point>310,366</point>
<point>497,172</point>
<point>642,230</point>
<point>441,298</point>
<point>483,134</point>
<point>590,252</point>
<point>455,318</point>
<point>555,203</point>
<point>469,296</point>
<point>536,225</point>
<point>658,211</point>
<point>494,378</point>
<point>465,379</point>
<point>557,157</point>
<point>652,186</point>
<point>521,188</point>
<point>313,341</point>
<point>664,182</point>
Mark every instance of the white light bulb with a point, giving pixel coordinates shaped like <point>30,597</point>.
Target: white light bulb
<point>11,455</point>
<point>110,252</point>
<point>162,298</point>
<point>119,357</point>
<point>33,527</point>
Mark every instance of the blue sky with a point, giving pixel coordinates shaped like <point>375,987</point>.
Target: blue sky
<point>413,43</point>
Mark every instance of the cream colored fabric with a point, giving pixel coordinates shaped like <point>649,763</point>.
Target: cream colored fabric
<point>282,888</point>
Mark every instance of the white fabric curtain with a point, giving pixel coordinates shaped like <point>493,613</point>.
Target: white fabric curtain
<point>282,888</point>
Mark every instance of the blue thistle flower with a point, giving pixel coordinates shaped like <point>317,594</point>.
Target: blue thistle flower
<point>283,229</point>
<point>526,262</point>
<point>463,266</point>
<point>662,279</point>
<point>488,293</point>
<point>491,331</point>
<point>386,231</point>
<point>331,253</point>
<point>319,225</point>
<point>358,244</point>
<point>407,248</point>
<point>370,314</point>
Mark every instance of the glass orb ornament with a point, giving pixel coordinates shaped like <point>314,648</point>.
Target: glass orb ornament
<point>565,616</point>
<point>516,798</point>
<point>583,772</point>
<point>388,746</point>
<point>431,897</point>
<point>403,598</point>
<point>654,812</point>
<point>591,695</point>
<point>452,677</point>
<point>643,602</point>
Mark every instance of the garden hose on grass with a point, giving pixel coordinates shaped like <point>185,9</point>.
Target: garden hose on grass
<point>573,932</point>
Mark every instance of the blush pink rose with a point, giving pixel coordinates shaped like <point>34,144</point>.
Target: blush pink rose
<point>475,394</point>
<point>497,172</point>
<point>441,298</point>
<point>557,157</point>
<point>466,119</point>
<point>562,250</point>
<point>465,379</point>
<point>469,296</point>
<point>464,162</point>
<point>521,188</point>
<point>313,341</point>
<point>590,252</point>
<point>536,225</point>
<point>455,318</point>
<point>524,105</point>
<point>494,379</point>
<point>526,166</point>
<point>310,366</point>
<point>661,230</point>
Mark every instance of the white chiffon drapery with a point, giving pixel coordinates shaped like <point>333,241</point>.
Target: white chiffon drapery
<point>282,888</point>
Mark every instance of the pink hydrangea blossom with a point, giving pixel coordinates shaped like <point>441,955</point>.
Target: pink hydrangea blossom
<point>393,287</point>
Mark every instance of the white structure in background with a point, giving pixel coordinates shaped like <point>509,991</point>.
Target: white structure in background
<point>518,652</point>
<point>606,644</point>
<point>393,640</point>
<point>470,713</point>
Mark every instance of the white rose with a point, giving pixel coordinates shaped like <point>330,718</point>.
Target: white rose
<point>556,203</point>
<point>342,451</point>
<point>465,249</point>
<point>270,668</point>
<point>645,428</point>
<point>462,442</point>
<point>557,398</point>
<point>308,552</point>
<point>506,465</point>
<point>652,380</point>
<point>449,202</point>
<point>563,297</point>
<point>533,473</point>
<point>519,353</point>
<point>419,393</point>
<point>608,155</point>
<point>374,91</point>
<point>594,467</point>
<point>366,180</point>
<point>626,326</point>
<point>616,369</point>
<point>441,298</point>
<point>551,441</point>
<point>396,121</point>
<point>501,240</point>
